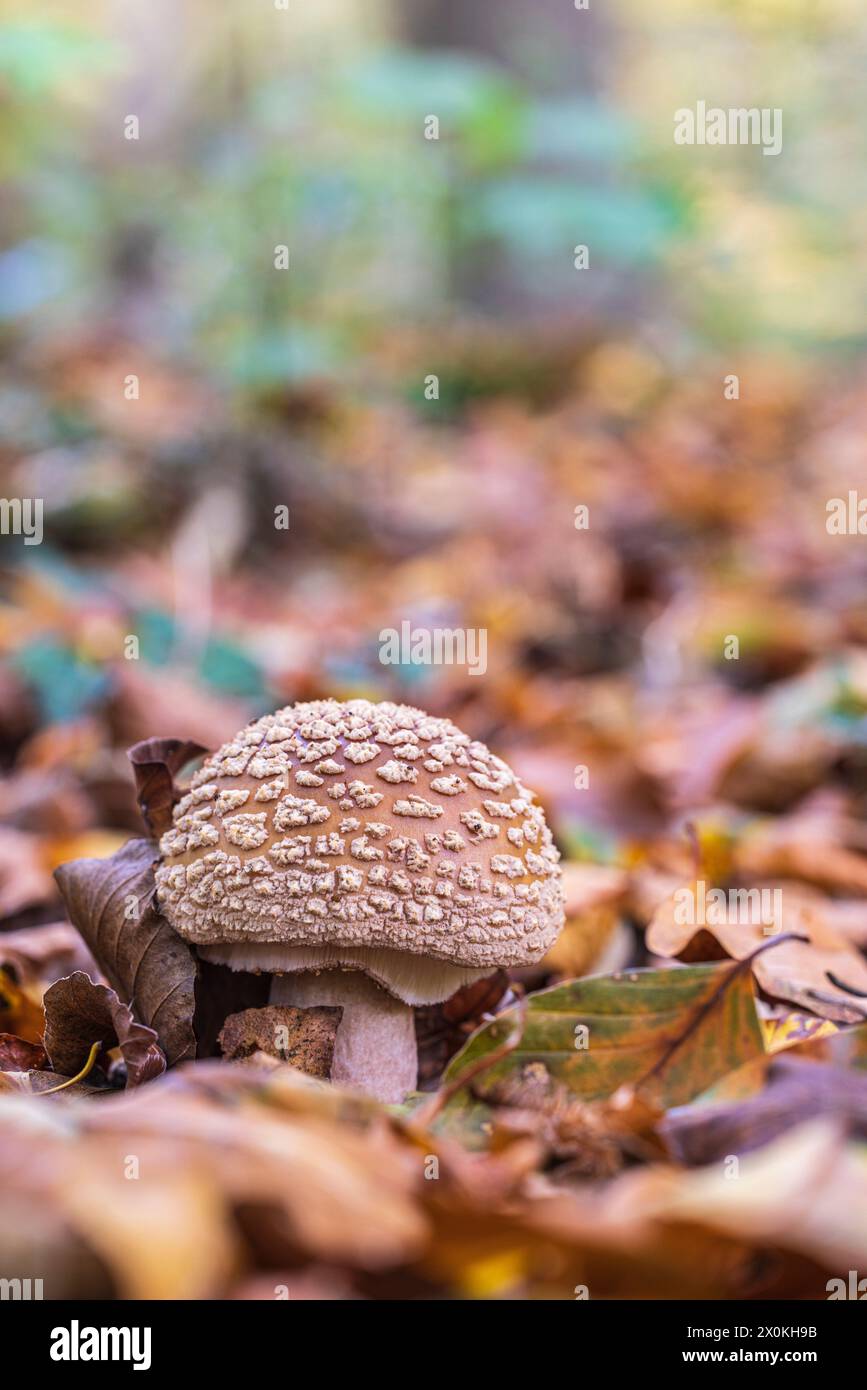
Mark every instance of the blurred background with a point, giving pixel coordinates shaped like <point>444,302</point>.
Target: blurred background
<point>304,388</point>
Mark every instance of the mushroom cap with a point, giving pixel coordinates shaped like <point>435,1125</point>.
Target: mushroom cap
<point>362,824</point>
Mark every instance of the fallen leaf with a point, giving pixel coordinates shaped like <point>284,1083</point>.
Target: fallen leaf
<point>24,879</point>
<point>793,1028</point>
<point>337,1193</point>
<point>16,1054</point>
<point>595,896</point>
<point>442,1029</point>
<point>794,850</point>
<point>778,1231</point>
<point>667,1034</point>
<point>19,1013</point>
<point>45,953</point>
<point>163,1235</point>
<point>787,1195</point>
<point>79,1013</point>
<point>796,1091</point>
<point>111,902</point>
<point>156,762</point>
<point>302,1037</point>
<point>811,973</point>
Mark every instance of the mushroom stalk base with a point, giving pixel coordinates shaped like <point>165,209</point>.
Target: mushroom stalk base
<point>375,1048</point>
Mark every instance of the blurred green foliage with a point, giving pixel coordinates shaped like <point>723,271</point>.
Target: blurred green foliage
<point>322,150</point>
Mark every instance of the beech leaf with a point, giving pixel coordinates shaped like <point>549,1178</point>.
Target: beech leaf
<point>112,903</point>
<point>79,1012</point>
<point>814,968</point>
<point>665,1033</point>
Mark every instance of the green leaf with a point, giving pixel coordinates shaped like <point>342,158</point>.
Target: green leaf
<point>230,669</point>
<point>65,686</point>
<point>546,216</point>
<point>38,54</point>
<point>573,128</point>
<point>670,1033</point>
<point>407,84</point>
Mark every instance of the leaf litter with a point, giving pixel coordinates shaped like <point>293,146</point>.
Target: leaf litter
<point>576,1117</point>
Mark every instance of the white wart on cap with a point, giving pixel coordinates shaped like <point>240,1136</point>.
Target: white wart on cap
<point>364,837</point>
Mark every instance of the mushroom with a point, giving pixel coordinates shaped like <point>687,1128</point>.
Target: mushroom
<point>365,855</point>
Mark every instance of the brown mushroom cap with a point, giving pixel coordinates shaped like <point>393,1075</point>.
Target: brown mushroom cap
<point>362,825</point>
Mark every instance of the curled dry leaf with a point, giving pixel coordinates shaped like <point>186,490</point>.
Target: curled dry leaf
<point>302,1037</point>
<point>111,902</point>
<point>156,762</point>
<point>79,1013</point>
<point>822,973</point>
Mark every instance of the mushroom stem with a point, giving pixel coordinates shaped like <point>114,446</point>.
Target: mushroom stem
<point>375,1048</point>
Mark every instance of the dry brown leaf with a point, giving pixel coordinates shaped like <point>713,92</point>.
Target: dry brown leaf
<point>442,1029</point>
<point>111,902</point>
<point>776,1232</point>
<point>173,1194</point>
<point>341,1195</point>
<point>796,1091</point>
<point>793,850</point>
<point>805,1192</point>
<point>16,1054</point>
<point>163,1233</point>
<point>156,762</point>
<point>302,1037</point>
<point>810,973</point>
<point>79,1013</point>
